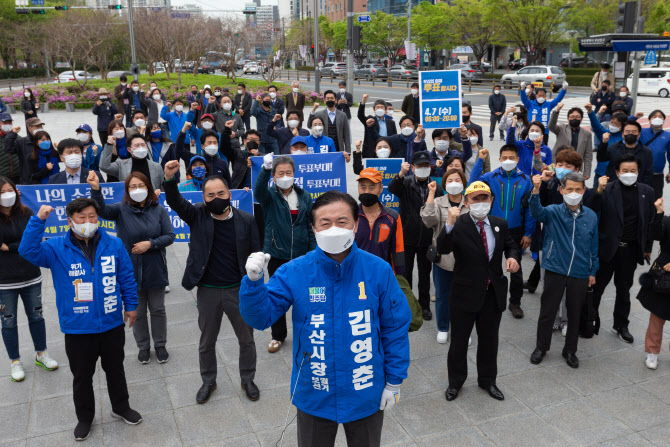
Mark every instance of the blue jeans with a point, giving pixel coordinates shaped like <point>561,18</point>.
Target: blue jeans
<point>442,281</point>
<point>32,303</point>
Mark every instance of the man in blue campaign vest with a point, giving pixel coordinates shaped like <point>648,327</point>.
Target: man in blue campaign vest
<point>350,323</point>
<point>96,294</point>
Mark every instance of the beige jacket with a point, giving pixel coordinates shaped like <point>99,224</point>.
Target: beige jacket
<point>598,79</point>
<point>434,216</point>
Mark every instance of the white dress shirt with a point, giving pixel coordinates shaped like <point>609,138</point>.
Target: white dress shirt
<point>490,238</point>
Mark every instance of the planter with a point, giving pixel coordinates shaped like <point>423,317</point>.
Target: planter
<point>44,108</point>
<point>69,107</point>
<point>11,109</point>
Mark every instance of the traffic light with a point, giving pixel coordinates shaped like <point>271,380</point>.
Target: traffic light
<point>61,8</point>
<point>275,29</point>
<point>626,17</point>
<point>38,11</point>
<point>356,38</point>
<point>114,6</point>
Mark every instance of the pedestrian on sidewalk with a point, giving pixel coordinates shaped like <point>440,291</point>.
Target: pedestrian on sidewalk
<point>497,106</point>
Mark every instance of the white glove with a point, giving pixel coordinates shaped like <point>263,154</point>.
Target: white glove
<point>257,264</point>
<point>390,396</point>
<point>565,84</point>
<point>523,84</point>
<point>267,161</point>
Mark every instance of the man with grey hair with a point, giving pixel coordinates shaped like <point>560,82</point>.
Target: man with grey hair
<point>295,101</point>
<point>570,261</point>
<point>288,230</point>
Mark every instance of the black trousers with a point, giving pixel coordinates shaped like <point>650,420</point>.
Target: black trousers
<point>424,266</point>
<point>314,431</point>
<point>103,134</point>
<point>83,351</point>
<point>657,182</point>
<point>545,139</point>
<point>622,267</point>
<point>516,279</point>
<point>552,295</point>
<point>279,330</point>
<point>487,322</point>
<point>494,120</point>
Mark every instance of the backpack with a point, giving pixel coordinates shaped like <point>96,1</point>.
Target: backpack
<point>414,307</point>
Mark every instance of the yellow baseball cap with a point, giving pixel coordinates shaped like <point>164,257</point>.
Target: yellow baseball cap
<point>478,187</point>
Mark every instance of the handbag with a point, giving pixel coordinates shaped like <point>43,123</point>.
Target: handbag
<point>661,279</point>
<point>589,321</point>
<point>432,254</point>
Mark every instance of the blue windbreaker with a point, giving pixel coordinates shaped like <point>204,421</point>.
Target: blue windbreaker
<point>320,145</point>
<point>350,324</point>
<point>526,150</point>
<point>511,191</point>
<point>175,122</point>
<point>113,278</point>
<point>196,132</point>
<point>660,147</point>
<point>540,112</point>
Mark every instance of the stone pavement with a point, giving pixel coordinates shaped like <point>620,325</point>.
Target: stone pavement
<point>611,400</point>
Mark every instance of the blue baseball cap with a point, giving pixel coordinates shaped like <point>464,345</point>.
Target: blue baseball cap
<point>299,139</point>
<point>4,116</point>
<point>197,158</point>
<point>85,128</point>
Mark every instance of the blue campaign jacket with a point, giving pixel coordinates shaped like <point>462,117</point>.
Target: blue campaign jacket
<point>570,243</point>
<point>351,318</point>
<point>112,277</point>
<point>599,130</point>
<point>526,149</point>
<point>540,112</point>
<point>175,122</point>
<point>511,191</point>
<point>320,145</point>
<point>660,147</point>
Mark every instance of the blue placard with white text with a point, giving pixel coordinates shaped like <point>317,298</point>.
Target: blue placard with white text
<point>440,99</point>
<point>388,167</point>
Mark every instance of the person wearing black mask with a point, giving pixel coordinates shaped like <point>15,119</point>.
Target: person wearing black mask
<point>240,172</point>
<point>335,123</point>
<point>262,111</point>
<point>222,238</point>
<point>194,96</point>
<point>605,97</point>
<point>573,135</point>
<point>629,146</point>
<point>466,113</point>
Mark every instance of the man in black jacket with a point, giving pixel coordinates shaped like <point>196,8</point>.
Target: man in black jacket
<point>383,125</point>
<point>497,106</point>
<point>630,145</point>
<point>222,238</point>
<point>605,97</point>
<point>412,192</point>
<point>70,152</point>
<point>624,238</point>
<point>242,104</point>
<point>345,100</point>
<point>23,147</point>
<point>479,289</point>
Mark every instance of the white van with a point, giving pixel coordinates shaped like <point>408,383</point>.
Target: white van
<point>653,81</point>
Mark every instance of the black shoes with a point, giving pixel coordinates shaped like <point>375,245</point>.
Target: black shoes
<point>129,416</point>
<point>527,286</point>
<point>623,334</point>
<point>427,314</point>
<point>251,389</point>
<point>571,359</point>
<point>205,392</point>
<point>451,393</point>
<point>493,390</point>
<point>536,356</point>
<point>81,431</point>
<point>144,356</point>
<point>516,310</point>
<point>162,355</point>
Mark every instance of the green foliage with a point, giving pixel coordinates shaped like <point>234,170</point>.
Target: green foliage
<point>386,34</point>
<point>658,17</point>
<point>429,23</point>
<point>474,25</point>
<point>17,73</point>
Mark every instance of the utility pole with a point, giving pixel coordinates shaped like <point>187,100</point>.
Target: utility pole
<point>350,46</point>
<point>637,56</point>
<point>409,20</point>
<point>133,56</point>
<point>317,79</point>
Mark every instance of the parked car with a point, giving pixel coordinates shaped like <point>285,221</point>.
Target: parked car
<point>339,69</point>
<point>488,68</point>
<point>79,75</point>
<point>517,63</point>
<point>326,69</point>
<point>547,74</point>
<point>471,71</point>
<point>239,65</point>
<point>653,81</point>
<point>371,71</point>
<point>403,72</point>
<point>206,68</point>
<point>251,67</point>
<point>578,61</point>
<point>118,73</point>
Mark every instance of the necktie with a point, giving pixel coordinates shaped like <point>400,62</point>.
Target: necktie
<point>482,234</point>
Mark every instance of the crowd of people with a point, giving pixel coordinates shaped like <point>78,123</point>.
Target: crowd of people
<point>345,266</point>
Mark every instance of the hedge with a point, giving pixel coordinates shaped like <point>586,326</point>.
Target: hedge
<point>17,73</point>
<point>305,68</point>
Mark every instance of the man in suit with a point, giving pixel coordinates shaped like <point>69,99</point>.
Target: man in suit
<point>410,103</point>
<point>624,238</point>
<point>71,153</point>
<point>383,125</point>
<point>479,290</point>
<point>295,100</point>
<point>277,104</point>
<point>243,102</point>
<point>345,100</point>
<point>573,135</point>
<point>335,122</point>
<point>121,100</point>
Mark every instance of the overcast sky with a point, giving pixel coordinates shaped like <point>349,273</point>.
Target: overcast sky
<point>235,5</point>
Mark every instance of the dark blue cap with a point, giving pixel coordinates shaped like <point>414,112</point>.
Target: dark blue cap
<point>197,158</point>
<point>4,116</point>
<point>85,128</point>
<point>299,139</point>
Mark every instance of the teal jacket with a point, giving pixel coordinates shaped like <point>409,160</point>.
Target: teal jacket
<point>284,239</point>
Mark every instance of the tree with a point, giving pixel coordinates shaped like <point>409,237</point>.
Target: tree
<point>472,26</point>
<point>386,34</point>
<point>595,17</point>
<point>429,27</point>
<point>299,32</point>
<point>234,39</point>
<point>113,33</point>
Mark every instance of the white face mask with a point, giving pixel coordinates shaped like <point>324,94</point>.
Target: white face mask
<point>73,161</point>
<point>474,140</point>
<point>480,210</point>
<point>497,92</point>
<point>273,95</point>
<point>380,112</point>
<point>317,131</point>
<point>572,199</point>
<point>454,188</point>
<point>211,150</point>
<point>26,94</point>
<point>614,129</point>
<point>157,97</point>
<point>138,194</point>
<point>83,137</point>
<point>140,152</point>
<point>407,131</point>
<point>295,90</point>
<point>227,106</point>
<point>508,165</point>
<point>335,240</point>
<point>540,100</point>
<point>441,145</point>
<point>119,134</point>
<point>140,123</point>
<point>343,90</point>
<point>383,152</point>
<point>284,182</point>
<point>623,94</point>
<point>136,88</point>
<point>298,152</point>
<point>85,230</point>
<point>6,128</point>
<point>293,123</point>
<point>239,92</point>
<point>7,199</point>
<point>628,178</point>
<point>533,135</point>
<point>389,112</point>
<point>527,91</point>
<point>656,122</point>
<point>179,108</point>
<point>421,173</point>
<point>103,98</point>
<point>414,91</point>
<point>217,93</point>
<point>34,131</point>
<point>123,84</point>
<point>207,125</point>
<point>207,95</point>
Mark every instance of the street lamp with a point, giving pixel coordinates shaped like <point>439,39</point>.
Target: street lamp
<point>572,33</point>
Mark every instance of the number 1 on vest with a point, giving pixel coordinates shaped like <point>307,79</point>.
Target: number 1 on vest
<point>361,288</point>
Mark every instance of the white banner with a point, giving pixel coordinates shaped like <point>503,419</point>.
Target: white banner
<point>303,51</point>
<point>410,49</point>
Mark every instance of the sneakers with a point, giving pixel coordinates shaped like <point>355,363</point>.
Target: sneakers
<point>167,289</point>
<point>516,310</point>
<point>144,356</point>
<point>162,355</point>
<point>17,374</point>
<point>44,360</point>
<point>469,341</point>
<point>652,361</point>
<point>564,331</point>
<point>81,431</point>
<point>129,416</point>
<point>442,337</point>
<point>274,346</point>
